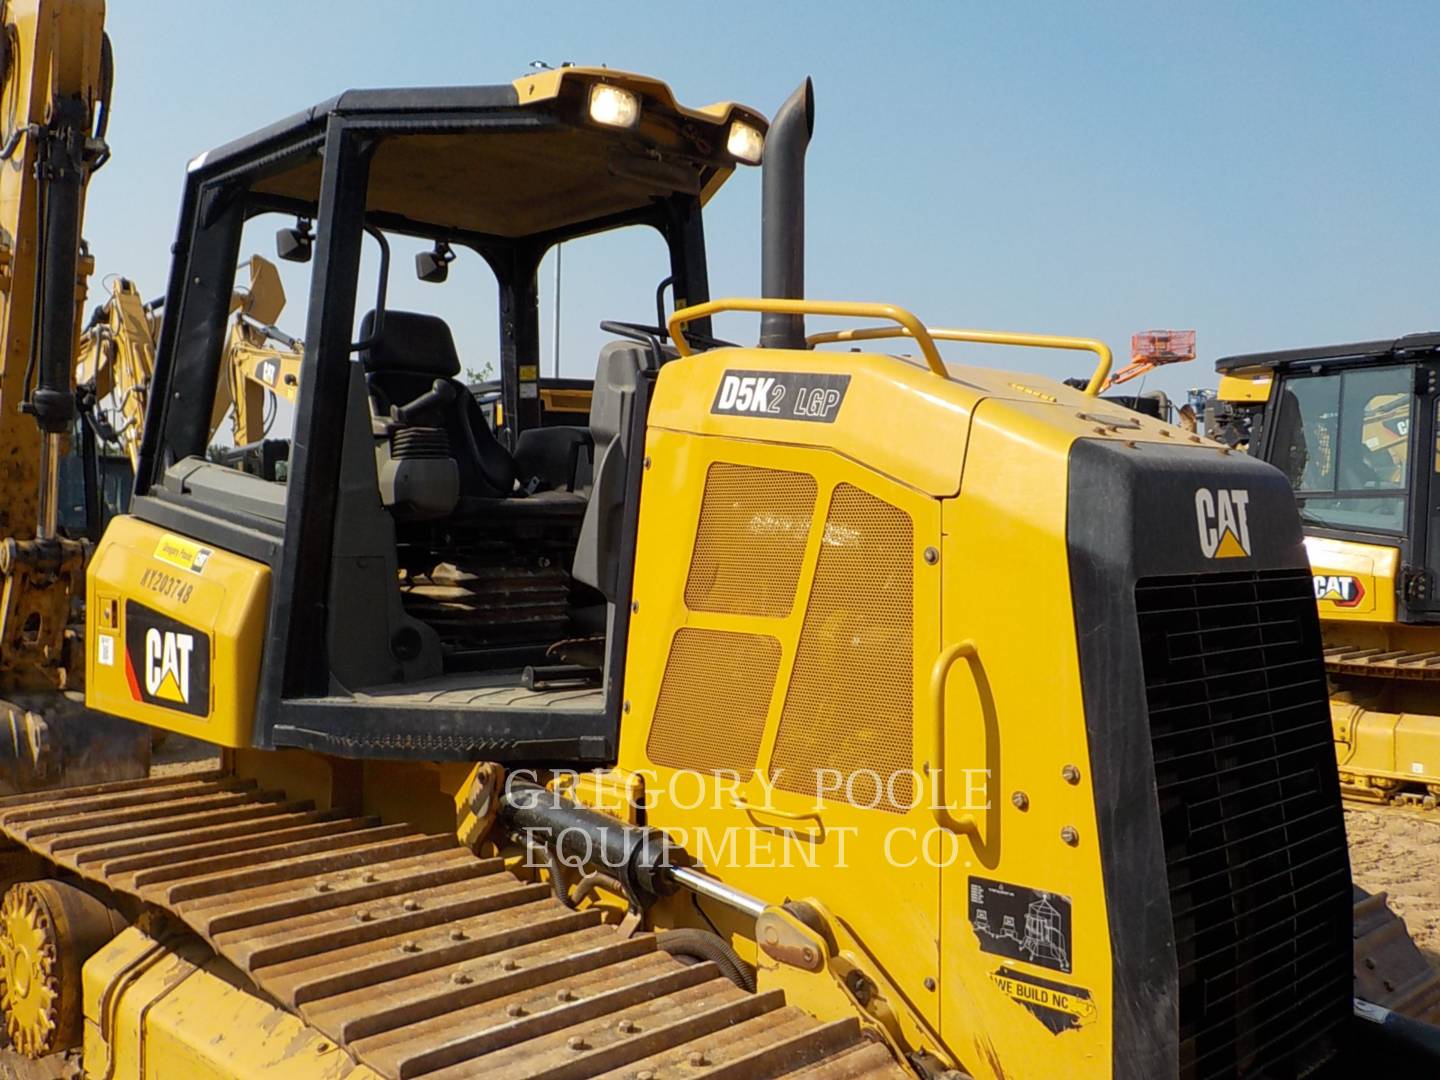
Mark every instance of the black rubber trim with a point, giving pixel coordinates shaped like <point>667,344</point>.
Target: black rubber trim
<point>252,537</point>
<point>360,729</point>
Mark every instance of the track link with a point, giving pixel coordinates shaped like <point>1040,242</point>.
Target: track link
<point>1381,663</point>
<point>1390,970</point>
<point>419,958</point>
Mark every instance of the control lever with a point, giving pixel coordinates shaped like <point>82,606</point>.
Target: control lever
<point>441,393</point>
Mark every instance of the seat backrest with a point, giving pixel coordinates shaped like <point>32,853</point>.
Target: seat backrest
<point>402,360</point>
<point>597,555</point>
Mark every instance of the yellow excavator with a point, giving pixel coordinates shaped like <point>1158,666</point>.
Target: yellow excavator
<point>115,362</point>
<point>56,73</point>
<point>1353,429</point>
<point>731,760</point>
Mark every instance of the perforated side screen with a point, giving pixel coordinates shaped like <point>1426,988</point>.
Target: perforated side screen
<point>849,705</point>
<point>753,527</point>
<point>713,699</point>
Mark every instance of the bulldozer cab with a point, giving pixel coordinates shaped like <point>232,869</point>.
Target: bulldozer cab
<point>439,586</point>
<point>1354,428</point>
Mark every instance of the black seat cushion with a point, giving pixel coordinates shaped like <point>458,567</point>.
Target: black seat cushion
<point>402,362</point>
<point>410,342</point>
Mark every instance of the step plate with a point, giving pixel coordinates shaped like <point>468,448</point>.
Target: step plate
<point>418,957</point>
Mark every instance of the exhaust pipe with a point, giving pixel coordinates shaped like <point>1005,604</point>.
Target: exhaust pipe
<point>782,217</point>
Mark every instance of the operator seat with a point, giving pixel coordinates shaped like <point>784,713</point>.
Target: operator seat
<point>402,361</point>
<point>598,553</point>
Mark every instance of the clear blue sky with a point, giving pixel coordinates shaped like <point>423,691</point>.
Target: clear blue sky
<point>1263,173</point>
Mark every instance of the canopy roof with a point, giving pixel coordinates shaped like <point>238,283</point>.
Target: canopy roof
<point>514,160</point>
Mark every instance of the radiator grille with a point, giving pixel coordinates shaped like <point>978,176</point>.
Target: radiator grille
<point>713,700</point>
<point>754,524</point>
<point>1259,876</point>
<point>849,704</point>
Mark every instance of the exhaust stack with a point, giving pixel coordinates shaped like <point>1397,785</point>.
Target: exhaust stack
<point>782,217</point>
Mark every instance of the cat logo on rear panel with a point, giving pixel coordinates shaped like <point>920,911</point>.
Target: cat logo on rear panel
<point>1222,516</point>
<point>1342,590</point>
<point>166,662</point>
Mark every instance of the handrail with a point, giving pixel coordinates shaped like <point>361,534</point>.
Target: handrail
<point>909,325</point>
<point>946,816</point>
<point>986,337</point>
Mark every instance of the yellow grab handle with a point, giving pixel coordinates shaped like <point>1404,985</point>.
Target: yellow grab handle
<point>741,803</point>
<point>987,337</point>
<point>945,814</point>
<point>908,324</point>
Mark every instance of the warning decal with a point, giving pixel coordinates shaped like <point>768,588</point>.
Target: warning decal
<point>1021,923</point>
<point>1057,1006</point>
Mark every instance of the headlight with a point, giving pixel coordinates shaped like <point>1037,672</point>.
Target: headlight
<point>614,106</point>
<point>745,143</point>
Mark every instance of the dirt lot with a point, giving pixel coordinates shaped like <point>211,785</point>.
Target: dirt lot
<point>1398,851</point>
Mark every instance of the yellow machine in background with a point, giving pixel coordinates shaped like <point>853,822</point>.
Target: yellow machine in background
<point>56,74</point>
<point>1353,428</point>
<point>262,363</point>
<point>115,362</point>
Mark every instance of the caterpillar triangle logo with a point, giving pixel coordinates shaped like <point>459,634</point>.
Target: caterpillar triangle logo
<point>1223,518</point>
<point>167,663</point>
<point>170,681</point>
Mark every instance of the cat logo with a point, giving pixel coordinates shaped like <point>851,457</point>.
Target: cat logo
<point>1342,590</point>
<point>166,662</point>
<point>1224,525</point>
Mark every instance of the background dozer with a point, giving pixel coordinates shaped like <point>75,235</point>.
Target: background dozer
<point>1353,428</point>
<point>720,754</point>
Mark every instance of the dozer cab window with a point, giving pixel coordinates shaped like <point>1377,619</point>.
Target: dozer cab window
<point>1343,441</point>
<point>253,415</point>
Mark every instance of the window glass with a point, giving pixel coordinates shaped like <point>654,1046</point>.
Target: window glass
<point>1348,436</point>
<point>259,379</point>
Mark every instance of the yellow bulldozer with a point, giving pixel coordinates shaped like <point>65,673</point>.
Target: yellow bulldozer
<point>804,712</point>
<point>1353,428</point>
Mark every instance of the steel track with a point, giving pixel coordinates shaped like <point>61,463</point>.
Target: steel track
<point>416,956</point>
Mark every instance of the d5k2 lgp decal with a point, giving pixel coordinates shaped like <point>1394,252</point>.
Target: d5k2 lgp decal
<point>781,395</point>
<point>166,662</point>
